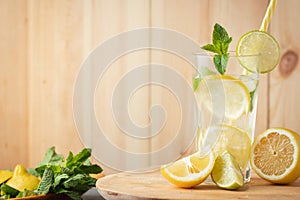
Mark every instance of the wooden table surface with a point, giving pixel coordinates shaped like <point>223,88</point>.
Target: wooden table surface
<point>154,186</point>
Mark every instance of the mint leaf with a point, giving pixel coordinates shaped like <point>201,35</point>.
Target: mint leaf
<point>196,82</point>
<point>220,35</point>
<point>251,99</point>
<point>58,178</point>
<point>52,157</point>
<point>26,193</point>
<point>80,182</point>
<point>74,181</point>
<point>33,172</point>
<point>79,159</point>
<point>220,62</point>
<point>8,191</point>
<point>70,177</point>
<point>46,182</point>
<point>211,48</point>
<point>220,45</point>
<point>90,169</point>
<point>225,45</point>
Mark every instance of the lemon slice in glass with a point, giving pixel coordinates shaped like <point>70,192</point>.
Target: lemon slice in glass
<point>264,48</point>
<point>226,173</point>
<point>223,95</point>
<point>221,138</point>
<point>189,171</point>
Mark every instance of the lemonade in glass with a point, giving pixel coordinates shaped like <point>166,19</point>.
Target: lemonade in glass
<point>226,89</point>
<point>226,109</point>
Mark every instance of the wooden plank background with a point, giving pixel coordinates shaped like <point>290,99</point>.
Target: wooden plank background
<point>44,42</point>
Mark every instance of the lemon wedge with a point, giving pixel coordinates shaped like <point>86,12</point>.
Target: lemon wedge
<point>22,180</point>
<point>5,175</point>
<point>189,171</point>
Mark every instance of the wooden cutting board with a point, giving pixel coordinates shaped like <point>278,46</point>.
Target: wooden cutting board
<point>154,186</point>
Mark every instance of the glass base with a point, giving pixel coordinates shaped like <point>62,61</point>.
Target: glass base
<point>247,177</point>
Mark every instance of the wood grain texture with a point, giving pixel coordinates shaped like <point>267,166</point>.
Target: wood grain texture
<point>62,34</point>
<point>284,80</point>
<point>55,54</point>
<point>153,186</point>
<point>109,19</point>
<point>43,44</point>
<point>13,83</point>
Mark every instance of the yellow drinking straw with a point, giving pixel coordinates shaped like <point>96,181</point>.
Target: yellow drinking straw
<point>266,21</point>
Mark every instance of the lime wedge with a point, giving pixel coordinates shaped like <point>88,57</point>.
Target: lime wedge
<point>264,48</point>
<point>226,173</point>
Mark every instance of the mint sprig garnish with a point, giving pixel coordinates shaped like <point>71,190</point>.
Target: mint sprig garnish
<point>70,176</point>
<point>221,41</point>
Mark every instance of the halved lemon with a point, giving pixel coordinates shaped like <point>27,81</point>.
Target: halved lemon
<point>275,155</point>
<point>189,171</point>
<point>221,138</point>
<point>223,95</point>
<point>258,51</point>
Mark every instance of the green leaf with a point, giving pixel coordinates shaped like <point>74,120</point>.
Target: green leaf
<point>40,170</point>
<point>220,35</point>
<point>26,193</point>
<point>33,172</point>
<point>52,158</point>
<point>74,181</point>
<point>71,177</point>
<point>221,41</point>
<point>220,62</point>
<point>56,169</point>
<point>46,182</point>
<point>211,48</point>
<point>225,45</point>
<point>196,81</point>
<point>78,160</point>
<point>69,158</point>
<point>251,99</point>
<point>58,178</point>
<point>90,169</point>
<point>82,180</point>
<point>9,191</point>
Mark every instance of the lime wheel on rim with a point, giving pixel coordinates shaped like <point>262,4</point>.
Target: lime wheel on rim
<point>258,51</point>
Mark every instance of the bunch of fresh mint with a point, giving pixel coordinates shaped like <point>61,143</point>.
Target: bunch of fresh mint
<point>70,177</point>
<point>220,44</point>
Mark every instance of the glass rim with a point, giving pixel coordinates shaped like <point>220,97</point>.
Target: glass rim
<point>231,54</point>
<point>237,76</point>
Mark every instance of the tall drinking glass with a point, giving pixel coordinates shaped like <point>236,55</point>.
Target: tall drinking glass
<point>226,109</point>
